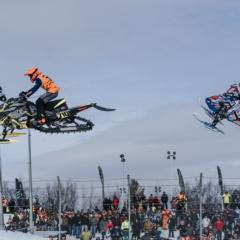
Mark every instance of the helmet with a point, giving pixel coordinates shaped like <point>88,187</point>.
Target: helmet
<point>32,73</point>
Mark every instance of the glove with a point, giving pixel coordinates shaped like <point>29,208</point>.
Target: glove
<point>23,95</point>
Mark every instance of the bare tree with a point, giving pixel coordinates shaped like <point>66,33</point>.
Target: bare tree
<point>84,200</point>
<point>69,196</point>
<point>8,191</point>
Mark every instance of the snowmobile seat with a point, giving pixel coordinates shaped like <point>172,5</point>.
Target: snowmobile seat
<point>59,103</point>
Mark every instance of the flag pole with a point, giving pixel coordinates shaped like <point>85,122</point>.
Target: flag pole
<point>31,225</point>
<point>1,195</point>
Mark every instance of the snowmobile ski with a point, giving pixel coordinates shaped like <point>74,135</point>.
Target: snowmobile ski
<point>14,134</point>
<point>7,141</point>
<point>209,112</point>
<point>208,125</point>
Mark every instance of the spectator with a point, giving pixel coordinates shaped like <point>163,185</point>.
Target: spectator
<point>237,231</point>
<point>164,219</point>
<point>115,202</point>
<point>11,205</point>
<point>125,228</point>
<point>4,204</point>
<point>182,228</point>
<point>116,233</point>
<point>86,234</point>
<point>78,226</point>
<point>150,201</point>
<point>218,226</point>
<point>206,222</point>
<point>156,202</point>
<point>226,199</point>
<point>148,226</point>
<point>125,225</point>
<point>93,224</point>
<point>136,228</point>
<point>171,225</point>
<point>164,200</point>
<point>108,226</point>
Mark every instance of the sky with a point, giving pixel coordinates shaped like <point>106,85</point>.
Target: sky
<point>151,60</point>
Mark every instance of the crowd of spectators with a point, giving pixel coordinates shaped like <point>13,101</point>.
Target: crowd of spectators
<point>153,217</point>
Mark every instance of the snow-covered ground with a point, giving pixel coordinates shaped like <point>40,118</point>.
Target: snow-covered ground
<point>18,236</point>
<point>23,236</point>
<point>176,233</point>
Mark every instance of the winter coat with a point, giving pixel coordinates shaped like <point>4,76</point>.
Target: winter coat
<point>206,222</point>
<point>86,235</point>
<point>219,225</point>
<point>148,226</point>
<point>164,198</point>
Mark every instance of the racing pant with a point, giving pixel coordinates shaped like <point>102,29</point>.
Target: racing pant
<point>42,100</point>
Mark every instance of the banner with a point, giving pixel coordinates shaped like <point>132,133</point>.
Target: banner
<point>220,179</point>
<point>19,193</point>
<point>181,181</point>
<point>102,181</point>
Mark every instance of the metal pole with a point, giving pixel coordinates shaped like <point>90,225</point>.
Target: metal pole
<point>172,178</point>
<point>222,203</point>
<point>200,209</point>
<point>123,160</point>
<point>129,208</point>
<point>1,195</point>
<point>123,188</point>
<point>171,156</point>
<point>60,209</point>
<point>30,183</point>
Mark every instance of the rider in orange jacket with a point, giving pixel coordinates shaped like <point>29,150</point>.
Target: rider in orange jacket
<point>47,84</point>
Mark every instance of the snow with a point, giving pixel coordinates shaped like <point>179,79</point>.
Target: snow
<point>18,236</point>
<point>23,236</point>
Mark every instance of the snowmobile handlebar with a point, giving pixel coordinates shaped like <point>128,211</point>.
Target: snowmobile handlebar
<point>23,96</point>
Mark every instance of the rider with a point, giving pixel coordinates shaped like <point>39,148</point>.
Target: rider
<point>47,84</point>
<point>233,92</point>
<point>220,104</point>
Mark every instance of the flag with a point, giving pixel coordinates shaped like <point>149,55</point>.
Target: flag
<point>102,180</point>
<point>220,179</point>
<point>19,193</point>
<point>181,181</point>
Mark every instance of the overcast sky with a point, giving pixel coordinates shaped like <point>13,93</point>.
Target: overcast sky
<point>152,60</point>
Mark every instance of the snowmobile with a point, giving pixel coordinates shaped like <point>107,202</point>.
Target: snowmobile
<point>220,107</point>
<point>20,113</point>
